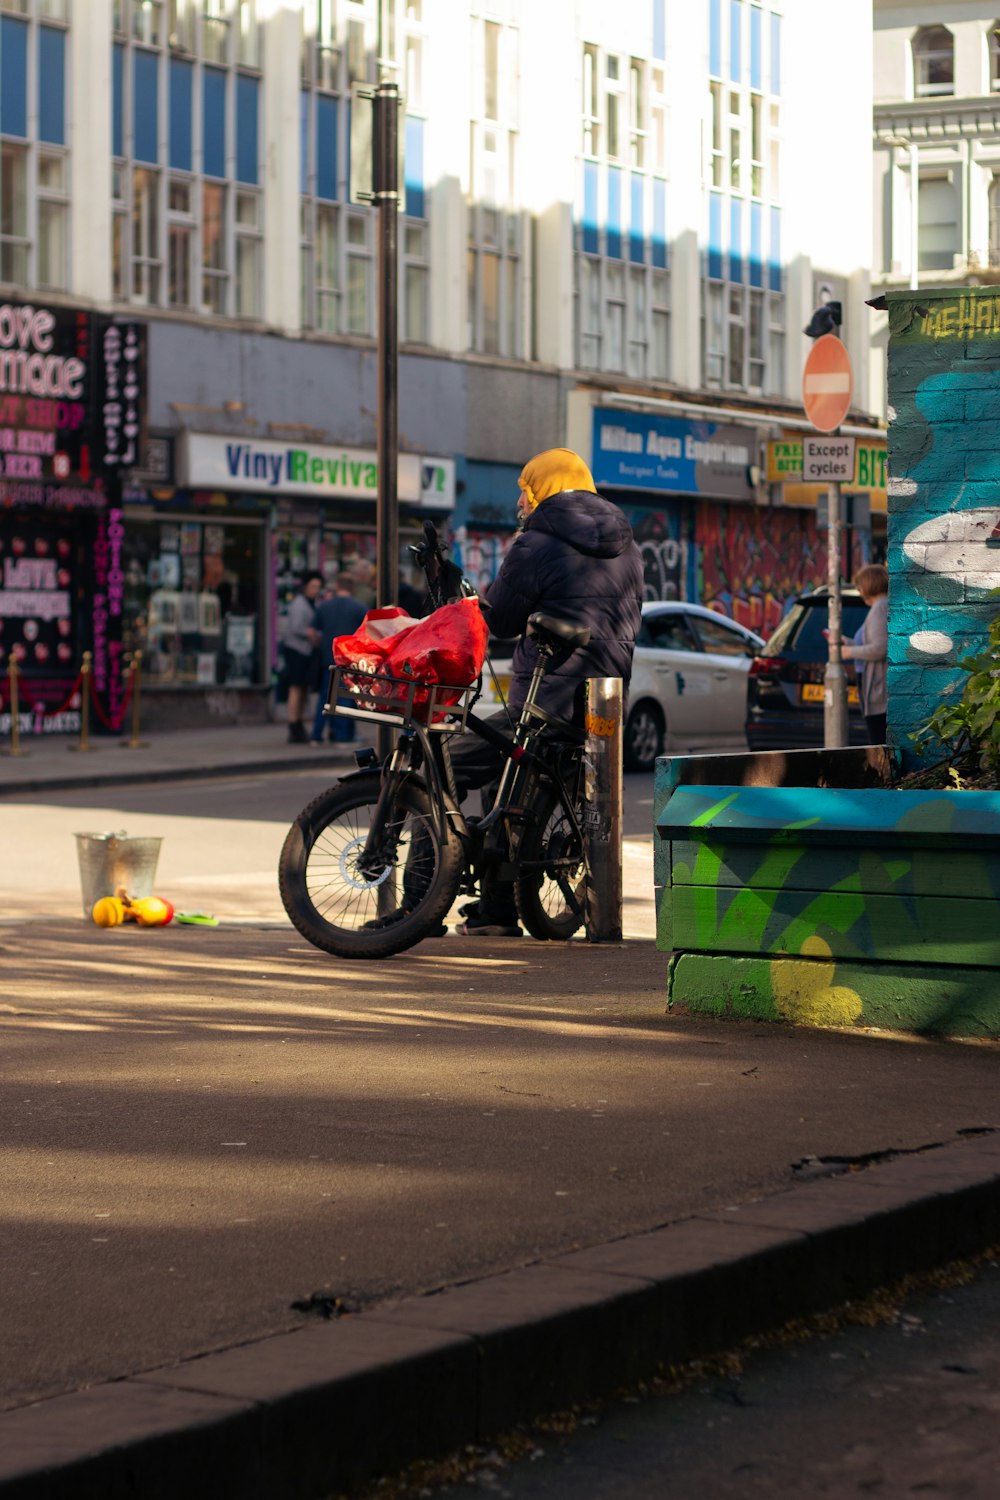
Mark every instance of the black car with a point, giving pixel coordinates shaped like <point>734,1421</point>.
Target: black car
<point>785,682</point>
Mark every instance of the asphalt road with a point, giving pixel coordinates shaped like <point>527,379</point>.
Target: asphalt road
<point>221,841</point>
<point>905,1406</point>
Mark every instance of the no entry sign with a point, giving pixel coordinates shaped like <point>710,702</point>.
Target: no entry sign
<point>827,383</point>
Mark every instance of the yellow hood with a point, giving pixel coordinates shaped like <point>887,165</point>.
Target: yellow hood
<point>551,472</point>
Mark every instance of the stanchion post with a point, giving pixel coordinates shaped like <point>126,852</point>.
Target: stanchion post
<point>85,668</point>
<point>135,672</point>
<point>603,809</point>
<point>15,708</point>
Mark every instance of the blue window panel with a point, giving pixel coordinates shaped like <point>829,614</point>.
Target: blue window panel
<point>715,38</point>
<point>614,237</point>
<point>52,86</point>
<point>145,113</point>
<point>413,168</point>
<point>636,232</point>
<point>756,48</point>
<point>181,90</point>
<point>735,40</point>
<point>736,239</point>
<point>591,236</point>
<point>213,122</point>
<point>247,139</point>
<point>659,223</point>
<point>659,29</point>
<point>775,54</point>
<point>326,148</point>
<point>13,76</point>
<point>756,245</point>
<point>715,236</point>
<point>774,252</point>
<point>118,99</point>
<point>304,142</point>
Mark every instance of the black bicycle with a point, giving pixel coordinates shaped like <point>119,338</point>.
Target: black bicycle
<point>373,865</point>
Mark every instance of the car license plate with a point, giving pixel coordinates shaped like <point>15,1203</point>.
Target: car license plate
<point>812,692</point>
<point>503,683</point>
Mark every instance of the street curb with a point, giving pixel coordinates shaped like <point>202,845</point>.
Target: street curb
<point>325,1408</point>
<point>171,773</point>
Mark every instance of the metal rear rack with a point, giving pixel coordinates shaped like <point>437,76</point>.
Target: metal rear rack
<point>400,701</point>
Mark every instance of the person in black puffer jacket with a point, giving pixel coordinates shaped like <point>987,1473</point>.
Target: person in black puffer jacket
<point>575,558</point>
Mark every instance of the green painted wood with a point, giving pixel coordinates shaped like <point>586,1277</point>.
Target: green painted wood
<point>869,815</point>
<point>960,1002</point>
<point>881,871</point>
<point>852,924</point>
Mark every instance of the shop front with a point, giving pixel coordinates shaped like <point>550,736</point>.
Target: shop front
<point>71,419</point>
<point>692,490</point>
<point>212,565</point>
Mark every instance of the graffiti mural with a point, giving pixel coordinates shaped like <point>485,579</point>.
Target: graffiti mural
<point>944,494</point>
<point>751,563</point>
<point>659,534</point>
<point>834,907</point>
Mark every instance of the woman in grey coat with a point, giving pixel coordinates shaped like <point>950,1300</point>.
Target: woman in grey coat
<point>872,583</point>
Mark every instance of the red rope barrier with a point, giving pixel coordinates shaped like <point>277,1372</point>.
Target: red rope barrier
<point>34,705</point>
<point>113,728</point>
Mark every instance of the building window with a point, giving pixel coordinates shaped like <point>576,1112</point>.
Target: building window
<point>495,252</point>
<point>337,236</point>
<point>743,317</point>
<point>939,238</point>
<point>933,62</point>
<point>186,199</point>
<point>621,276</point>
<point>34,161</point>
<point>994,49</point>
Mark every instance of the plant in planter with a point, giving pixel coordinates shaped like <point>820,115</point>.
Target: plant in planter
<point>968,729</point>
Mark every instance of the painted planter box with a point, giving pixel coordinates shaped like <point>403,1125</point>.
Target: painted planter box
<point>832,906</point>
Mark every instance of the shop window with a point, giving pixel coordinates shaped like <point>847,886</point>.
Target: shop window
<point>933,62</point>
<point>192,605</point>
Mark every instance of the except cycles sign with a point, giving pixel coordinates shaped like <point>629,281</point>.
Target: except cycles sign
<point>827,460</point>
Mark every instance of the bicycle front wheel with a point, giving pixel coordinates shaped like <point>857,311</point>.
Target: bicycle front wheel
<point>550,890</point>
<point>388,906</point>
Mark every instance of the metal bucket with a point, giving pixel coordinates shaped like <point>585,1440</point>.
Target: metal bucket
<point>113,861</point>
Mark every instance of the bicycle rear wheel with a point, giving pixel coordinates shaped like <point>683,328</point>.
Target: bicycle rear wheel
<point>384,910</point>
<point>550,889</point>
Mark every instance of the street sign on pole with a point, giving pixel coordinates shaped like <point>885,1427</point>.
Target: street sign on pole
<point>827,387</point>
<point>827,383</point>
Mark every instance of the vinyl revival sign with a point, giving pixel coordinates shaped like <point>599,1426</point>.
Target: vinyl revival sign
<point>263,466</point>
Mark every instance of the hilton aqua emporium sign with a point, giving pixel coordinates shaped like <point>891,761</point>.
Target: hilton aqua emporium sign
<point>671,455</point>
<point>264,467</point>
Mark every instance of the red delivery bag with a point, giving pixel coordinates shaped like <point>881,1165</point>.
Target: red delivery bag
<point>449,646</point>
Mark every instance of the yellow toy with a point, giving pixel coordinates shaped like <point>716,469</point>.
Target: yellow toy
<point>145,911</point>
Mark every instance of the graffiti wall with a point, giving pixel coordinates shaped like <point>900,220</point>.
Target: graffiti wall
<point>944,493</point>
<point>751,562</point>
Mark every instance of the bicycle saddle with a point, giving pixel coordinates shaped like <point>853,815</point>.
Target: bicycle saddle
<point>563,632</point>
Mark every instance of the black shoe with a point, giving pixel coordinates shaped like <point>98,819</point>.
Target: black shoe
<point>297,734</point>
<point>484,920</point>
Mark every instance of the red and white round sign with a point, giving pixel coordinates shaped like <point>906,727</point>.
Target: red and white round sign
<point>827,383</point>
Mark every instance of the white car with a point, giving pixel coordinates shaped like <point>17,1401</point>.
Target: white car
<point>689,683</point>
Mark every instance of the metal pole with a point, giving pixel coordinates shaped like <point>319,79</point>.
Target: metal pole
<point>603,811</point>
<point>84,703</point>
<point>385,185</point>
<point>834,694</point>
<point>15,708</point>
<point>134,742</point>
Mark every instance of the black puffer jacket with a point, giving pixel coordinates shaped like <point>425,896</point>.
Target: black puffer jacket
<point>575,559</point>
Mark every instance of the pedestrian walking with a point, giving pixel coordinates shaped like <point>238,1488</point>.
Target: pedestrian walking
<point>341,614</point>
<point>871,651</point>
<point>301,641</point>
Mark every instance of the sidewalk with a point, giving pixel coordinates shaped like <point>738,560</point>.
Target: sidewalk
<point>522,1183</point>
<point>51,763</point>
